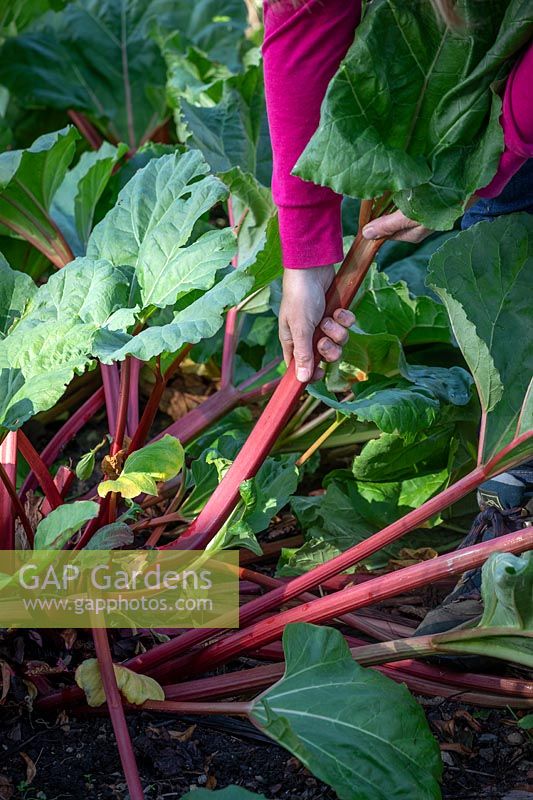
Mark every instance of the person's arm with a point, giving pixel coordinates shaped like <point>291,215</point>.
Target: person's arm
<point>303,47</point>
<point>517,124</point>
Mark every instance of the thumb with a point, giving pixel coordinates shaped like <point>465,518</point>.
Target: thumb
<point>304,359</point>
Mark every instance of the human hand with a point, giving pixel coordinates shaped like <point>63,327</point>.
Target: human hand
<point>302,309</point>
<point>396,226</point>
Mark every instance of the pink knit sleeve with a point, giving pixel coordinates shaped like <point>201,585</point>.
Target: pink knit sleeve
<point>303,47</point>
<point>517,124</point>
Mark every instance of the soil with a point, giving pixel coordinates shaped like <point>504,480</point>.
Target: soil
<point>485,756</point>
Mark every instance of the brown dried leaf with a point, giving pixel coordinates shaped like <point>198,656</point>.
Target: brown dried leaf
<point>182,736</point>
<point>7,790</point>
<point>468,719</point>
<point>211,782</point>
<point>409,556</point>
<point>31,769</point>
<point>5,674</point>
<point>111,466</point>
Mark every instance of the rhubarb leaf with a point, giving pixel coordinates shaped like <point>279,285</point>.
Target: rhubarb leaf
<point>54,338</point>
<point>215,27</point>
<point>269,491</point>
<point>351,511</point>
<point>229,793</point>
<point>16,290</point>
<point>29,180</point>
<point>75,200</point>
<point>483,276</point>
<point>54,531</point>
<point>159,461</point>
<point>135,688</point>
<point>201,320</point>
<point>234,131</point>
<point>355,729</point>
<point>405,405</point>
<point>151,225</point>
<point>434,139</point>
<point>97,57</point>
<point>388,307</point>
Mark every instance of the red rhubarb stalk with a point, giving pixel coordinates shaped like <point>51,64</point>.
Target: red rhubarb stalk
<point>111,382</point>
<point>86,128</point>
<point>278,411</point>
<point>116,712</point>
<point>350,599</point>
<point>133,400</point>
<point>18,508</point>
<point>8,459</point>
<point>28,451</point>
<point>64,435</point>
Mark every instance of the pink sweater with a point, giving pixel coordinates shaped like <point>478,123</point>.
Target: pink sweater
<point>303,47</point>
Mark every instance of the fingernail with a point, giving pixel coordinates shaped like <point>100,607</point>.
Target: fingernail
<point>326,324</point>
<point>303,374</point>
<point>369,232</point>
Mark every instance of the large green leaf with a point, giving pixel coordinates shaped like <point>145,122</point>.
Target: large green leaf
<point>16,290</point>
<point>404,405</point>
<point>385,306</point>
<point>29,180</point>
<point>96,56</point>
<point>351,511</point>
<point>200,320</point>
<point>55,530</point>
<point>215,27</point>
<point>483,276</point>
<point>229,793</point>
<point>233,132</point>
<point>54,337</point>
<point>75,200</point>
<point>15,15</point>
<point>433,139</point>
<point>358,731</point>
<point>151,225</point>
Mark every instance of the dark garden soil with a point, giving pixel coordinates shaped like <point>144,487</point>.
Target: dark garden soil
<point>485,756</point>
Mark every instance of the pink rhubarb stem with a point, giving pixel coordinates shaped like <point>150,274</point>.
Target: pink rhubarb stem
<point>64,435</point>
<point>40,469</point>
<point>230,331</point>
<point>8,459</point>
<point>86,128</point>
<point>133,400</point>
<point>374,591</point>
<point>116,712</point>
<point>111,382</point>
<point>277,412</point>
<point>18,508</point>
<point>313,578</point>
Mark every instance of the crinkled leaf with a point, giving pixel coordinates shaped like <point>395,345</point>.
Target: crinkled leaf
<point>29,180</point>
<point>269,491</point>
<point>135,688</point>
<point>360,732</point>
<point>383,306</point>
<point>234,131</point>
<point>483,276</point>
<point>431,140</point>
<point>158,461</point>
<point>351,511</point>
<point>75,200</point>
<point>201,320</point>
<point>16,290</point>
<point>54,338</point>
<point>55,530</point>
<point>151,225</point>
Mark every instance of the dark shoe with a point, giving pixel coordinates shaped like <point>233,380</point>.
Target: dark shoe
<point>506,504</point>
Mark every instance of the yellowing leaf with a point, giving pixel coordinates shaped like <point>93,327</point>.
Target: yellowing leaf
<point>135,688</point>
<point>159,461</point>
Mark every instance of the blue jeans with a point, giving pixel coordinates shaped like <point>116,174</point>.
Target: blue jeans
<point>516,196</point>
